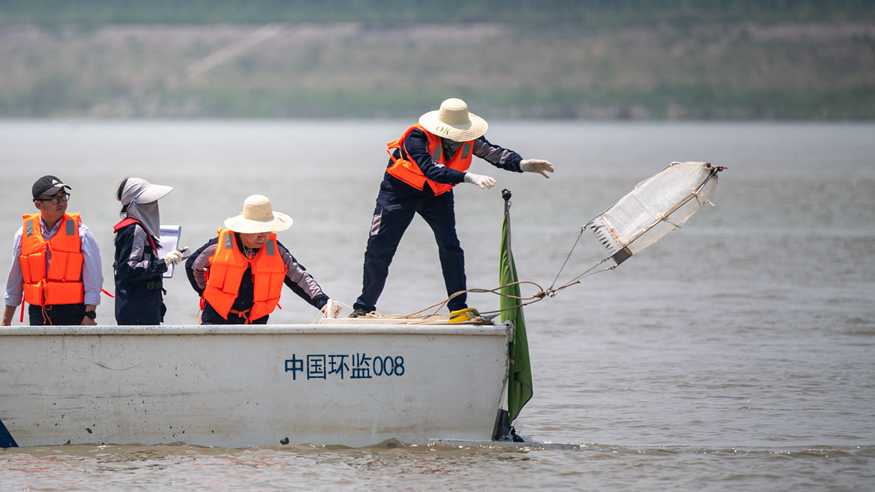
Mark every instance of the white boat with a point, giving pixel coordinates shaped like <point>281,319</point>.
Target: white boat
<point>242,386</point>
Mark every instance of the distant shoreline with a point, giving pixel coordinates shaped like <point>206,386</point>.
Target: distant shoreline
<point>718,71</point>
<point>504,122</point>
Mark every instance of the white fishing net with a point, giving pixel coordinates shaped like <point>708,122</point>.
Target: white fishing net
<point>657,206</point>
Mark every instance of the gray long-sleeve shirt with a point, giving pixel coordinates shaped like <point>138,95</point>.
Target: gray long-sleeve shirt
<point>92,274</point>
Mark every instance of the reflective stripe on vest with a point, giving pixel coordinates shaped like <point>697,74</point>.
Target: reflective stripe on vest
<point>51,270</point>
<point>410,173</point>
<point>227,266</point>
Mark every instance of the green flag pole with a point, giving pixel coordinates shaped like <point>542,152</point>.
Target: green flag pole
<point>519,384</point>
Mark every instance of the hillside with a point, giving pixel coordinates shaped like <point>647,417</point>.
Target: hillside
<point>594,60</point>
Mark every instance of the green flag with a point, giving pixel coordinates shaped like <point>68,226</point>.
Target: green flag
<point>519,385</point>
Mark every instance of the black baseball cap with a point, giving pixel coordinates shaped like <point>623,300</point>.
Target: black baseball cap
<point>47,186</point>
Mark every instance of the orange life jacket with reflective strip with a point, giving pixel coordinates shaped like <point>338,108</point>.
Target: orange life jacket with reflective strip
<point>410,173</point>
<point>52,270</point>
<point>227,266</point>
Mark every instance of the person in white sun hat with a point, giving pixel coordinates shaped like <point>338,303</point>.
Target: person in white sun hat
<point>139,282</point>
<point>240,273</point>
<point>425,163</point>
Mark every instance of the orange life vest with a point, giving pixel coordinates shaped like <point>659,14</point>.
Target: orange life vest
<point>227,266</point>
<point>52,270</point>
<point>409,172</point>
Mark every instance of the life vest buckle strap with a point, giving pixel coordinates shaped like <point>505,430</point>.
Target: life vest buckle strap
<point>242,314</point>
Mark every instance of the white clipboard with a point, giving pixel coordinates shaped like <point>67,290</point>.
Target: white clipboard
<point>170,235</point>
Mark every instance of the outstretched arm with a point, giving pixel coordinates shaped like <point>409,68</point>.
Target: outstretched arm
<point>539,166</point>
<point>301,282</point>
<point>510,160</point>
<point>497,156</point>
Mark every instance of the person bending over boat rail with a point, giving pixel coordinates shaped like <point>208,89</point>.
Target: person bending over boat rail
<point>55,262</point>
<point>139,283</point>
<point>240,273</point>
<point>425,163</point>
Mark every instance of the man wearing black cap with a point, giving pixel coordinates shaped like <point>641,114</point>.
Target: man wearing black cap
<point>56,262</point>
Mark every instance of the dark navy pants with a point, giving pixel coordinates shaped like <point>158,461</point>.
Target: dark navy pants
<point>57,314</point>
<point>397,203</point>
<point>209,316</point>
<point>139,304</point>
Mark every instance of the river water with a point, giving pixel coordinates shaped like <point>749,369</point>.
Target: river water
<point>738,353</point>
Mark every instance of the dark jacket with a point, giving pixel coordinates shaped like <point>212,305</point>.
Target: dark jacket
<point>416,149</point>
<point>138,278</point>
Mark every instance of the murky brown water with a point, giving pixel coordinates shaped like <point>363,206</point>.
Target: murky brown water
<point>737,353</point>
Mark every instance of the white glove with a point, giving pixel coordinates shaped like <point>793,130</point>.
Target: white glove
<point>173,257</point>
<point>331,309</point>
<point>484,182</point>
<point>539,166</point>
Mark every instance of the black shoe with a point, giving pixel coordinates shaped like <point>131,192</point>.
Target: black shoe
<point>360,313</point>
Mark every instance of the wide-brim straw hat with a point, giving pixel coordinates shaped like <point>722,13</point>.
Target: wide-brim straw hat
<point>454,121</point>
<point>258,216</point>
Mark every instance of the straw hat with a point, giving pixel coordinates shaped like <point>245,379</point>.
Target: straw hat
<point>258,216</point>
<point>454,121</point>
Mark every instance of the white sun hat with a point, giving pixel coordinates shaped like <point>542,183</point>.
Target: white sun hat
<point>454,121</point>
<point>140,191</point>
<point>258,216</point>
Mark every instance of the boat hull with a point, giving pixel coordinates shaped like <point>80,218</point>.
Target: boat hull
<point>242,386</point>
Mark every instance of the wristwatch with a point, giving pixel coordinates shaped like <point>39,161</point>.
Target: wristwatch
<point>91,314</point>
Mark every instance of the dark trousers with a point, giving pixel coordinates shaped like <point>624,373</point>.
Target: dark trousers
<point>144,306</point>
<point>57,314</point>
<point>209,316</point>
<point>396,205</point>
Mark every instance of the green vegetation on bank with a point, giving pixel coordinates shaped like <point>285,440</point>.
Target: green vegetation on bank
<point>670,104</point>
<point>591,59</point>
<point>582,13</point>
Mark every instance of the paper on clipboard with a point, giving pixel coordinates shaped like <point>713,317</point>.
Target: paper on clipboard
<point>169,241</point>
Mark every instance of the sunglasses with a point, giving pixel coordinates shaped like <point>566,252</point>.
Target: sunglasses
<point>62,196</point>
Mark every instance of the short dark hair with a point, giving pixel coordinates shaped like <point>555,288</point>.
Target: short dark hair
<point>118,193</point>
<point>121,188</point>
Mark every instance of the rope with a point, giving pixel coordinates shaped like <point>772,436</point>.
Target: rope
<point>433,309</point>
<point>586,273</point>
<point>567,257</point>
<point>541,294</point>
<point>551,291</point>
